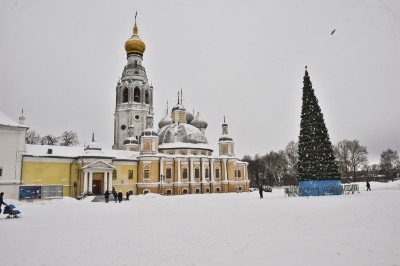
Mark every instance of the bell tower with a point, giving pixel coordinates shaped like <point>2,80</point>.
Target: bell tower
<point>134,94</point>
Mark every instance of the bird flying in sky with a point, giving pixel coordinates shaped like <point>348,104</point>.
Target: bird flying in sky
<point>333,31</point>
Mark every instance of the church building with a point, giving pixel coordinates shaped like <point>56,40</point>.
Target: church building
<point>171,159</point>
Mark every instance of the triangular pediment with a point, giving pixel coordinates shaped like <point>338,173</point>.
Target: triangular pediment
<point>99,164</point>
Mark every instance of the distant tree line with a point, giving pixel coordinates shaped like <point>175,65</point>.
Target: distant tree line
<point>67,138</point>
<point>280,168</point>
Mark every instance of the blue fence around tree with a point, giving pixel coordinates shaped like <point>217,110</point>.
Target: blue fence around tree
<point>319,188</point>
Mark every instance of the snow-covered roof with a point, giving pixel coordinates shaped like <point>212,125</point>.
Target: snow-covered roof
<point>71,152</point>
<point>6,121</point>
<point>178,136</point>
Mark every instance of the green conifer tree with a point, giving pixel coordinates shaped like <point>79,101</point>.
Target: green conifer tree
<point>316,160</point>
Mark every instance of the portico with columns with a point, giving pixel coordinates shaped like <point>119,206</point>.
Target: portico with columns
<point>97,177</point>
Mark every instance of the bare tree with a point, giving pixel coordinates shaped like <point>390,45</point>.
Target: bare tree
<point>358,156</point>
<point>350,156</point>
<point>49,140</point>
<point>342,153</point>
<point>276,164</point>
<point>389,163</point>
<point>292,157</point>
<point>69,138</point>
<point>32,137</point>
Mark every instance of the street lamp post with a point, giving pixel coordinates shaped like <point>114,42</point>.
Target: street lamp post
<point>161,179</point>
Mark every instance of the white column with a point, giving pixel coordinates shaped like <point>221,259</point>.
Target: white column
<point>212,170</point>
<point>203,175</point>
<point>179,170</point>
<point>109,181</point>
<point>225,170</point>
<point>161,166</point>
<point>85,181</point>
<point>90,181</point>
<point>191,170</point>
<point>105,181</point>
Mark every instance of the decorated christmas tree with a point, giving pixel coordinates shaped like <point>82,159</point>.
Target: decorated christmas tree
<point>316,160</point>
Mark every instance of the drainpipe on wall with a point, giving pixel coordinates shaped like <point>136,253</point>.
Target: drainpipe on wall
<point>70,175</point>
<point>22,163</point>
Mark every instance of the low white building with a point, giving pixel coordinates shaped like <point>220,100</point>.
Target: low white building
<point>12,145</point>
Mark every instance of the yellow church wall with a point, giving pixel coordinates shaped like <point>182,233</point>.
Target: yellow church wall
<point>122,181</point>
<point>153,166</point>
<point>50,173</point>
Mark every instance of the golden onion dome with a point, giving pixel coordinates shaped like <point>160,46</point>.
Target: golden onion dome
<point>135,44</point>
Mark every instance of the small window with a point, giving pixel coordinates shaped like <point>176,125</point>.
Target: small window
<point>184,173</point>
<point>125,95</point>
<point>147,98</point>
<point>197,190</point>
<point>207,173</point>
<point>169,173</point>
<point>136,95</point>
<point>184,191</point>
<point>146,191</point>
<point>207,190</point>
<point>146,174</point>
<point>217,173</point>
<point>130,174</point>
<point>197,173</point>
<point>114,175</point>
<point>218,190</point>
<point>130,192</point>
<point>235,173</point>
<point>239,173</point>
<point>239,189</point>
<point>169,191</point>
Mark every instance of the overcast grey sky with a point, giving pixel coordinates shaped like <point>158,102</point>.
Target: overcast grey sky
<point>60,61</point>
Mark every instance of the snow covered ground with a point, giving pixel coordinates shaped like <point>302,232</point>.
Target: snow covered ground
<point>217,229</point>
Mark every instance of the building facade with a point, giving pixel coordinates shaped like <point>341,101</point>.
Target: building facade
<point>173,159</point>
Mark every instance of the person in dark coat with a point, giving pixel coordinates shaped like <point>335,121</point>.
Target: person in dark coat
<point>120,196</point>
<point>260,190</point>
<point>115,196</point>
<point>1,200</point>
<point>107,195</point>
<point>368,186</point>
<point>127,195</point>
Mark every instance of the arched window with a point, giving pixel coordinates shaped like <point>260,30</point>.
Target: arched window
<point>218,190</point>
<point>169,191</point>
<point>197,190</point>
<point>207,190</point>
<point>184,191</point>
<point>147,98</point>
<point>146,191</point>
<point>125,96</point>
<point>136,95</point>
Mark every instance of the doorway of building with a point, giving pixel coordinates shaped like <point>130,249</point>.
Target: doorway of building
<point>96,188</point>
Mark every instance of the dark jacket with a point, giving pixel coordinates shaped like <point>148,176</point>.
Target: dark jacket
<point>119,195</point>
<point>107,194</point>
<point>368,185</point>
<point>115,194</point>
<point>260,190</point>
<point>127,195</point>
<point>2,202</point>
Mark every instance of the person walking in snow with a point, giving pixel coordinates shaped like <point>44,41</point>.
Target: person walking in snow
<point>368,186</point>
<point>120,196</point>
<point>127,195</point>
<point>114,195</point>
<point>1,200</point>
<point>260,190</point>
<point>107,195</point>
